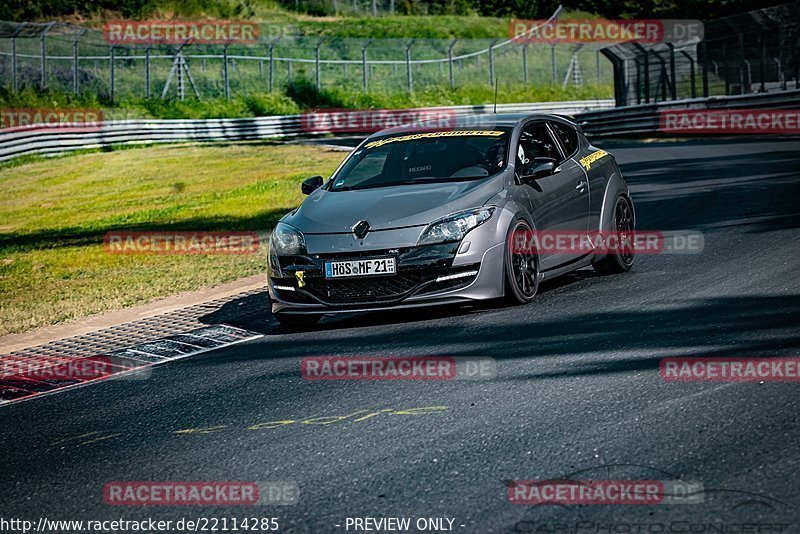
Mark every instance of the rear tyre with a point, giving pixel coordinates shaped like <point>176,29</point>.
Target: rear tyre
<point>620,260</point>
<point>521,264</point>
<point>297,320</point>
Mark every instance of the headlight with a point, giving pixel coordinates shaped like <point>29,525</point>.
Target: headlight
<point>287,240</point>
<point>454,227</point>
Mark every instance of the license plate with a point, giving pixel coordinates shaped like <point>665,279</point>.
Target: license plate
<point>365,267</point>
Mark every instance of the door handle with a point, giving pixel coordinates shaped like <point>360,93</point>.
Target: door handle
<point>581,186</point>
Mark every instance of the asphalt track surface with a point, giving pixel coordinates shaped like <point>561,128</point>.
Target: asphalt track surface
<point>577,391</point>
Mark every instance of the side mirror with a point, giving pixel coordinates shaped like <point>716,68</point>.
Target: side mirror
<point>310,184</point>
<point>540,168</point>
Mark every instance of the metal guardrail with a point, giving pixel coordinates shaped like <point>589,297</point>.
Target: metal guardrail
<point>599,118</point>
<point>53,141</point>
<point>644,118</point>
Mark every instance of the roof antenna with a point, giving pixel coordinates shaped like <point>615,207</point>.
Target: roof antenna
<point>495,96</point>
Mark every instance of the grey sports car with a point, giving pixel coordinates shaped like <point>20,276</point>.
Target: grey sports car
<point>415,218</point>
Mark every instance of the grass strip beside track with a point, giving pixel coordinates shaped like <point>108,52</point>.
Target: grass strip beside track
<point>54,214</point>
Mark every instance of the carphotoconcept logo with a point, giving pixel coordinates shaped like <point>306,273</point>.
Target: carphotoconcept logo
<point>200,493</point>
<point>397,368</point>
<point>181,243</point>
<point>153,32</point>
<point>61,120</point>
<point>730,121</point>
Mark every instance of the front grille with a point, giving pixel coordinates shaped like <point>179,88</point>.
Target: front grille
<point>364,289</point>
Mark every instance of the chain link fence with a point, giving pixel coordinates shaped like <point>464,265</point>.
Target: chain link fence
<point>754,52</point>
<point>78,60</point>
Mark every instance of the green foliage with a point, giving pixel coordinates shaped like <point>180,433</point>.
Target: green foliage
<point>299,96</point>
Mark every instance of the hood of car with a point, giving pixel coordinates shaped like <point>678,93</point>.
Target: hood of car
<point>385,208</point>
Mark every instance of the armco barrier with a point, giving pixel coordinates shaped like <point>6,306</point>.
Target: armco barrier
<point>643,118</point>
<point>146,131</point>
<point>599,118</point>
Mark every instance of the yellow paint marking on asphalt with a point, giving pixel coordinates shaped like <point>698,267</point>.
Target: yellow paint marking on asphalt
<point>363,415</point>
<point>271,424</point>
<point>416,411</point>
<point>75,438</point>
<point>373,414</point>
<point>335,418</point>
<point>202,430</point>
<point>101,438</point>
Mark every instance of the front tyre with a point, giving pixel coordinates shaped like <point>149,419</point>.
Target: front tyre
<point>521,264</point>
<point>295,320</point>
<point>620,260</point>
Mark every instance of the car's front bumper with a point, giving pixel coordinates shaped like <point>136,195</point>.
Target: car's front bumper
<point>425,276</point>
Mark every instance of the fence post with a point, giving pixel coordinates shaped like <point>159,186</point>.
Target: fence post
<point>725,68</point>
<point>43,51</point>
<point>704,60</point>
<point>491,63</point>
<point>781,59</point>
<point>272,62</point>
<point>597,64</point>
<point>408,65</point>
<point>673,82</point>
<point>742,64</point>
<point>364,75</point>
<point>14,63</point>
<point>450,63</point>
<point>762,68</point>
<point>638,81</point>
<point>553,61</point>
<point>14,56</point>
<point>147,72</point>
<point>525,63</point>
<point>691,72</point>
<point>75,61</point>
<point>112,56</point>
<point>316,63</point>
<point>225,78</point>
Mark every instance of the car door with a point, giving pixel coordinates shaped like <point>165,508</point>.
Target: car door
<point>578,203</point>
<point>556,201</point>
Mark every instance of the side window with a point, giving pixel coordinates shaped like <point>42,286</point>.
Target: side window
<point>535,141</point>
<point>567,136</point>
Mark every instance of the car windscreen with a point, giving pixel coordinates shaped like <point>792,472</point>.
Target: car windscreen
<point>411,158</point>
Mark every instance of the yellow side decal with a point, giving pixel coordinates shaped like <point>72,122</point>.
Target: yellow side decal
<point>591,158</point>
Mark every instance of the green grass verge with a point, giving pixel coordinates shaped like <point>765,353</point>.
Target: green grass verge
<point>301,96</point>
<point>54,214</point>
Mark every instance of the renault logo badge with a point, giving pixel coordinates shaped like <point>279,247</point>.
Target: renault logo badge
<point>300,280</point>
<point>360,229</point>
